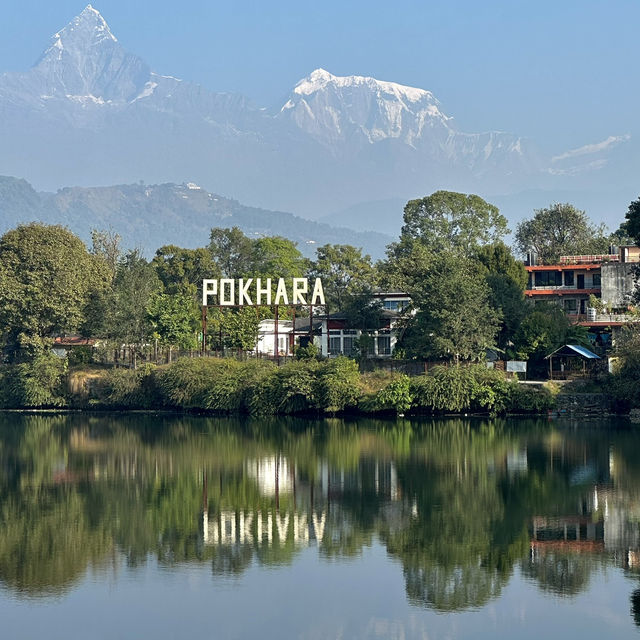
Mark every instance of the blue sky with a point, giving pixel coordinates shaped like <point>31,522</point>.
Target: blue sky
<point>563,73</point>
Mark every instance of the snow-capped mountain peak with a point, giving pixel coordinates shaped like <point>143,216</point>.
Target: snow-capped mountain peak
<point>86,30</point>
<point>320,78</point>
<point>333,108</point>
<point>86,61</point>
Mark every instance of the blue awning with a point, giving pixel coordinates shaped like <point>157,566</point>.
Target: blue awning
<point>574,350</point>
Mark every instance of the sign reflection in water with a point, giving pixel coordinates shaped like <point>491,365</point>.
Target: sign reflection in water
<point>275,476</point>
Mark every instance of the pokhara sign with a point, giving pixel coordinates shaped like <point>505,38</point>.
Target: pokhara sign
<point>228,292</point>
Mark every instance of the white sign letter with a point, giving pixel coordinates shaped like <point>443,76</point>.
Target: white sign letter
<point>224,301</point>
<point>281,293</point>
<point>318,293</point>
<point>260,291</point>
<point>209,288</point>
<point>300,286</point>
<point>243,295</point>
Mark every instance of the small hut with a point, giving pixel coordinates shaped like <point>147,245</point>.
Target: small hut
<point>571,360</point>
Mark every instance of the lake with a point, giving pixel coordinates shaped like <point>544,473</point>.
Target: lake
<point>160,526</point>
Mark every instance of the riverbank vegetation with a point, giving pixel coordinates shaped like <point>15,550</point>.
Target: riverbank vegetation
<point>257,387</point>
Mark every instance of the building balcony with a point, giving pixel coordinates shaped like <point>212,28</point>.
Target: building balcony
<point>561,290</point>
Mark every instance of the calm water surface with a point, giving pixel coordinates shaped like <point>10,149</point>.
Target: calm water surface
<point>172,527</point>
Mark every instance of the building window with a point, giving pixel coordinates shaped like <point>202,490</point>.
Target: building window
<point>548,278</point>
<point>571,306</point>
<point>348,345</point>
<point>335,346</point>
<point>568,279</point>
<point>596,279</point>
<point>395,305</point>
<point>384,346</point>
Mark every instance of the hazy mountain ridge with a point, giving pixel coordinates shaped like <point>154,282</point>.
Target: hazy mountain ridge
<point>149,216</point>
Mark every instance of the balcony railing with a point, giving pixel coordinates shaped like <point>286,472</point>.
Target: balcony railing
<point>610,257</point>
<point>562,287</point>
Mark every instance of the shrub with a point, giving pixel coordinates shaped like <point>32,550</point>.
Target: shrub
<point>456,389</point>
<point>394,396</point>
<point>131,389</point>
<point>308,352</point>
<point>185,382</point>
<point>530,399</point>
<point>38,383</point>
<point>337,385</point>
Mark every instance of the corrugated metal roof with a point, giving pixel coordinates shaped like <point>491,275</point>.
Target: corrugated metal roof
<point>581,351</point>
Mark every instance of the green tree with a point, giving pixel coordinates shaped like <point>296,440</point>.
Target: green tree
<point>135,286</point>
<point>181,269</point>
<point>454,318</point>
<point>545,328</point>
<point>507,279</point>
<point>233,328</point>
<point>498,259</point>
<point>449,221</point>
<point>278,257</point>
<point>632,221</point>
<point>345,274</point>
<point>231,250</point>
<point>47,277</point>
<point>106,245</point>
<point>560,229</point>
<point>174,319</point>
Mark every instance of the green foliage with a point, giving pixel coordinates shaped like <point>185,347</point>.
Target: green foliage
<point>461,389</point>
<point>106,246</point>
<point>545,328</point>
<point>632,221</point>
<point>231,250</point>
<point>238,328</point>
<point>36,383</point>
<point>345,273</point>
<point>175,319</point>
<point>396,396</point>
<point>337,385</point>
<point>624,382</point>
<point>560,229</point>
<point>47,276</point>
<point>309,352</point>
<point>386,393</point>
<point>135,286</point>
<point>182,270</point>
<point>530,399</point>
<point>449,221</point>
<point>131,389</point>
<point>497,259</point>
<point>185,383</point>
<point>278,257</point>
<point>79,356</point>
<point>454,319</point>
<point>230,384</point>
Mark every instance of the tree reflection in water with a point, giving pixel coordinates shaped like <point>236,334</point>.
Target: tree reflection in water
<point>459,503</point>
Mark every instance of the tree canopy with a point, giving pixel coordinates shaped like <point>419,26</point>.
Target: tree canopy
<point>455,319</point>
<point>346,274</point>
<point>47,277</point>
<point>560,229</point>
<point>446,221</point>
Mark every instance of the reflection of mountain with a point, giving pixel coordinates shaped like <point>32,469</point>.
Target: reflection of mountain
<point>458,505</point>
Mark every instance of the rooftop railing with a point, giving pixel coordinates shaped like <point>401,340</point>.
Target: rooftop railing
<point>590,259</point>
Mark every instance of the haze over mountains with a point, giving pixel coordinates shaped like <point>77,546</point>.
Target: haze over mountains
<point>151,216</point>
<point>90,113</point>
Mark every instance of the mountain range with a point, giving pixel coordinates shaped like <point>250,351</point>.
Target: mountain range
<point>90,113</point>
<point>150,216</point>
